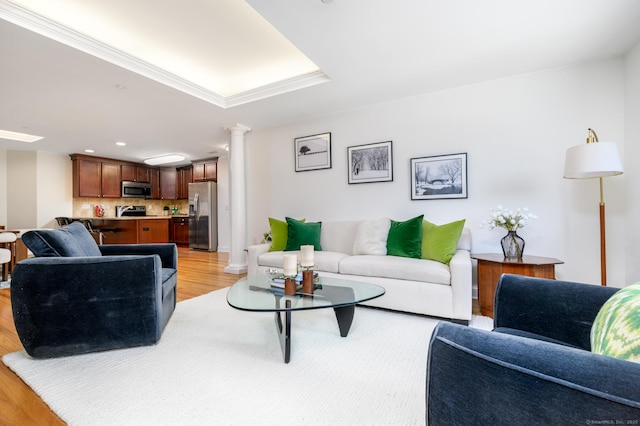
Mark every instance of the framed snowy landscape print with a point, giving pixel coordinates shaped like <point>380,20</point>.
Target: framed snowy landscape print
<point>370,163</point>
<point>440,176</point>
<point>313,152</point>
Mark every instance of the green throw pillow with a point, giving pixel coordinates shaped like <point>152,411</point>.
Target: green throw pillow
<point>279,234</point>
<point>301,233</point>
<point>405,237</point>
<point>616,330</point>
<point>439,243</point>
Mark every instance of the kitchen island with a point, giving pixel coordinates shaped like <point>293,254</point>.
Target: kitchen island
<point>132,230</point>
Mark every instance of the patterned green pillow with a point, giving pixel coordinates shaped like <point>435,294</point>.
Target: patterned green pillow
<point>616,329</point>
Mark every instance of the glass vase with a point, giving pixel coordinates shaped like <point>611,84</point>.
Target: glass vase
<point>512,246</point>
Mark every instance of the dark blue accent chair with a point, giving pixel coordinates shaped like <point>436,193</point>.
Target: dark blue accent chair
<point>535,367</point>
<point>76,296</point>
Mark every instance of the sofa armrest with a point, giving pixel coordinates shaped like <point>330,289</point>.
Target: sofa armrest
<point>253,252</point>
<point>461,269</point>
<point>68,305</point>
<point>559,310</point>
<point>168,252</point>
<point>492,378</point>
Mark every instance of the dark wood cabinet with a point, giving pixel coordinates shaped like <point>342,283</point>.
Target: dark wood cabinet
<point>491,266</point>
<point>110,181</point>
<point>133,230</point>
<point>131,172</point>
<point>206,170</point>
<point>168,183</point>
<point>179,232</point>
<point>153,231</point>
<point>185,177</point>
<point>95,178</point>
<point>154,179</point>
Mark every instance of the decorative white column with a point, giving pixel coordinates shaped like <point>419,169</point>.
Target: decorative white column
<point>237,201</point>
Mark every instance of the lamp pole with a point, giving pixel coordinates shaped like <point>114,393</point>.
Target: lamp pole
<point>603,244</point>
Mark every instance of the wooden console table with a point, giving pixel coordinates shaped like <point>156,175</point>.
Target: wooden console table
<point>492,265</point>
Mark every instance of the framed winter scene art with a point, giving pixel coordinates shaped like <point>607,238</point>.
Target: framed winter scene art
<point>370,163</point>
<point>439,176</point>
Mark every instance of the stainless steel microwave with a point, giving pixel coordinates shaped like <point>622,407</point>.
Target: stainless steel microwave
<point>136,189</point>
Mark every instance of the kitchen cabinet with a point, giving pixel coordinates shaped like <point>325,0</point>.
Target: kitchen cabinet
<point>133,230</point>
<point>185,177</point>
<point>205,170</point>
<point>95,178</point>
<point>153,231</point>
<point>179,232</point>
<point>168,183</point>
<point>154,179</point>
<point>133,173</point>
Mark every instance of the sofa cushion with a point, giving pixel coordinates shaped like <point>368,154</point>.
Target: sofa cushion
<point>405,238</point>
<point>72,240</point>
<point>279,234</point>
<point>616,330</point>
<point>339,236</point>
<point>439,243</point>
<point>301,233</point>
<point>326,261</point>
<point>371,237</point>
<point>402,268</point>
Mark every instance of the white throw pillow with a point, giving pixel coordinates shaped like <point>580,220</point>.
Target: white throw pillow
<point>371,237</point>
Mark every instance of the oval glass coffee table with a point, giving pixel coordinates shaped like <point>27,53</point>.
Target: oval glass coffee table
<point>254,293</point>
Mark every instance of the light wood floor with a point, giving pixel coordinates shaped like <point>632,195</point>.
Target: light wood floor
<point>198,273</point>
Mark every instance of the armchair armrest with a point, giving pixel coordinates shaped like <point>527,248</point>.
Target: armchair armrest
<point>492,378</point>
<point>253,252</point>
<point>558,310</point>
<point>168,252</point>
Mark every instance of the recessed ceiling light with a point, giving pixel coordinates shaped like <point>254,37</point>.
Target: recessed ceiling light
<point>20,137</point>
<point>89,151</point>
<point>121,143</point>
<point>164,159</point>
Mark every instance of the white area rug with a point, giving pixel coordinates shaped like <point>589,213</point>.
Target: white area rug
<point>218,365</point>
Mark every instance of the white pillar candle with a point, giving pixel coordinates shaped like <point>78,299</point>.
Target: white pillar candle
<point>290,264</point>
<point>306,256</point>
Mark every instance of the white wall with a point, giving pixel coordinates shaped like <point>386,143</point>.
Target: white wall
<point>515,131</point>
<point>3,187</point>
<point>39,188</point>
<point>55,188</point>
<point>22,207</point>
<point>632,154</point>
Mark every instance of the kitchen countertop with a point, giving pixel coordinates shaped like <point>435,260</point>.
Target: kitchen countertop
<point>128,217</point>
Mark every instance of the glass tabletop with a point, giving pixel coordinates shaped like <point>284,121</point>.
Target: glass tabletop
<point>254,293</point>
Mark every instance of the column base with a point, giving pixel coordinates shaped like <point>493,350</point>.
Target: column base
<point>235,269</point>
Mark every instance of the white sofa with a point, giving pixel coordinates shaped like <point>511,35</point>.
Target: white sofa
<point>412,285</point>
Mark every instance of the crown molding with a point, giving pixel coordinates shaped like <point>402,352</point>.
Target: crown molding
<point>48,28</point>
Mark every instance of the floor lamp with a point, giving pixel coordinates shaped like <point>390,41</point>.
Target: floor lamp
<point>594,160</point>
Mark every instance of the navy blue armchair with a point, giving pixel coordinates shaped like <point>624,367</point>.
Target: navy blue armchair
<point>77,297</point>
<point>535,367</point>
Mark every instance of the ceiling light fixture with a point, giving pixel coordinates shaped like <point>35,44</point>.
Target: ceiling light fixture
<point>164,159</point>
<point>121,143</point>
<point>90,151</point>
<point>20,137</point>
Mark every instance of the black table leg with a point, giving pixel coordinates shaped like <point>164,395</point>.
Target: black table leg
<point>284,331</point>
<point>344,315</point>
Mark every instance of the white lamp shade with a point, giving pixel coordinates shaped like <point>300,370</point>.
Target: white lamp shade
<point>591,160</point>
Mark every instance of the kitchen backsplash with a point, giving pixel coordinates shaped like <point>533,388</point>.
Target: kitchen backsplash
<point>86,207</point>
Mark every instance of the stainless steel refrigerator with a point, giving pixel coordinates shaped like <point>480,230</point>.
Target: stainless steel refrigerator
<point>203,216</point>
